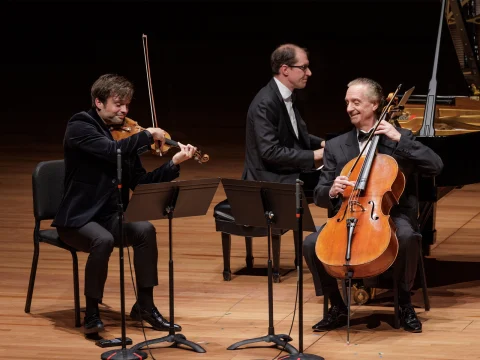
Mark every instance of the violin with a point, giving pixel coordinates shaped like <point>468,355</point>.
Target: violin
<point>130,127</point>
<point>360,240</point>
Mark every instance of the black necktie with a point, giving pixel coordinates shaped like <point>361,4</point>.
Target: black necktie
<point>362,136</point>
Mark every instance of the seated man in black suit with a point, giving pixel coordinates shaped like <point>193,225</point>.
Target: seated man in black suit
<point>87,218</point>
<point>363,99</point>
<point>278,146</point>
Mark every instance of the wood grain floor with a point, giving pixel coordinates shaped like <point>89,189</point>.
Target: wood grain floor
<point>215,313</point>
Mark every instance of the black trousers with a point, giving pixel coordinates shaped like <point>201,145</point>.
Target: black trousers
<point>405,266</point>
<point>98,238</point>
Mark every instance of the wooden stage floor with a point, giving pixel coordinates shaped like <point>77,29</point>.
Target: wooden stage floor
<point>215,313</point>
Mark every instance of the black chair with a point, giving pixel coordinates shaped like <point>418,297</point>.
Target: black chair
<point>225,223</point>
<point>47,182</point>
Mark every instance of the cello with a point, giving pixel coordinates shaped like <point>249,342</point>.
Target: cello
<point>360,240</point>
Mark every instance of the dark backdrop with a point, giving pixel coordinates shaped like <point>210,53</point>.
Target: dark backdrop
<point>208,59</point>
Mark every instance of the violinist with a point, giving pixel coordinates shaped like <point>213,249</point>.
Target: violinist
<point>87,218</point>
<point>363,99</point>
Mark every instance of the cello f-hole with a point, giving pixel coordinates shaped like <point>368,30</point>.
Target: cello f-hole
<point>373,216</point>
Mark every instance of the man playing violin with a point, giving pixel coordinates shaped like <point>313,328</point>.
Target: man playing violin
<point>363,99</point>
<point>87,218</point>
<point>278,146</point>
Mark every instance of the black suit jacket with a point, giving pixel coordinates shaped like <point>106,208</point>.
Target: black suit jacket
<point>272,151</point>
<point>91,168</point>
<point>412,156</point>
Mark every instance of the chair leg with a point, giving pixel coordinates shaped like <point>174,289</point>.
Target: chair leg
<point>33,273</point>
<point>76,289</point>
<point>276,241</point>
<point>226,247</point>
<point>423,279</point>
<point>396,306</point>
<point>249,250</point>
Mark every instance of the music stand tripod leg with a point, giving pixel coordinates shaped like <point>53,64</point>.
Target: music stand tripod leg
<point>280,341</point>
<point>176,339</point>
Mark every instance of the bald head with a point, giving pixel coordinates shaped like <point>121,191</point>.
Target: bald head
<point>285,54</point>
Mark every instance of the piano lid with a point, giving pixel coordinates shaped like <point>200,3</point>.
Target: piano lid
<point>457,136</point>
<point>455,120</point>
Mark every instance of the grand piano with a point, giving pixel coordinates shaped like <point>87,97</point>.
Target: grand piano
<point>450,125</point>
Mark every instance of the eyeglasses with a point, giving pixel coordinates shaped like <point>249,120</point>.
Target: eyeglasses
<point>301,67</point>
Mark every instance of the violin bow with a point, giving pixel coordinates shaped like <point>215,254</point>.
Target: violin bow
<point>150,90</point>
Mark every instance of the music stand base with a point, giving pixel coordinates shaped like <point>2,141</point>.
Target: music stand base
<point>301,356</point>
<point>124,354</point>
<point>176,339</point>
<point>280,341</point>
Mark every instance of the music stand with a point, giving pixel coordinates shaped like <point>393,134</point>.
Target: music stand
<point>170,200</point>
<point>299,213</point>
<point>270,205</point>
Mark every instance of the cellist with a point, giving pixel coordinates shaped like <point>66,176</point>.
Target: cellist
<point>363,100</point>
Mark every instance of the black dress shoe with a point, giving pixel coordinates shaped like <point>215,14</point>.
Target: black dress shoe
<point>336,317</point>
<point>409,319</point>
<point>153,317</point>
<point>92,324</point>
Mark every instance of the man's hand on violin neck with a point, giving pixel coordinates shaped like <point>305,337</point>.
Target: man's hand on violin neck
<point>157,133</point>
<point>186,152</point>
<point>388,130</point>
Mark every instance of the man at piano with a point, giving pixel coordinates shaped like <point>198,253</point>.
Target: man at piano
<point>278,146</point>
<point>363,100</point>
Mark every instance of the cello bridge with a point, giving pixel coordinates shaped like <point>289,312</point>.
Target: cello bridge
<point>355,205</point>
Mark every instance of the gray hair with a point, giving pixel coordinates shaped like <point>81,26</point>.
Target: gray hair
<point>374,92</point>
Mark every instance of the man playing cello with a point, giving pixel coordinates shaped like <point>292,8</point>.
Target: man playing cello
<point>363,99</point>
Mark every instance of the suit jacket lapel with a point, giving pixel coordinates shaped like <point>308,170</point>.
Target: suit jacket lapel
<point>350,147</point>
<point>274,86</point>
<point>302,129</point>
<point>94,115</point>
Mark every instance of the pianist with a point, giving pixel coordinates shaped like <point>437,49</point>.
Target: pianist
<point>277,144</point>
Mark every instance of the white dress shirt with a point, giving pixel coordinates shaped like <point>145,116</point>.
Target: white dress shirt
<point>361,144</point>
<point>287,98</point>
